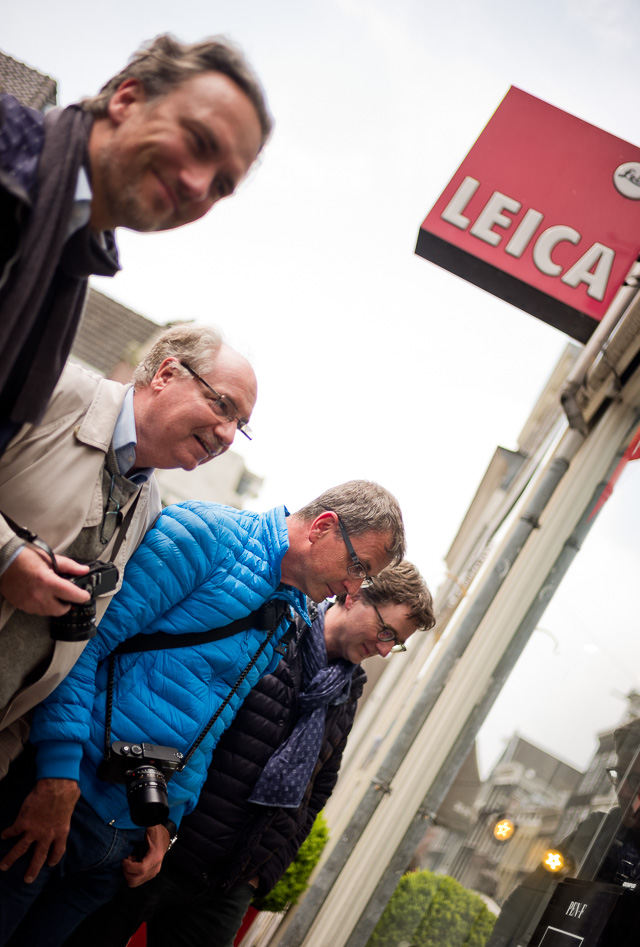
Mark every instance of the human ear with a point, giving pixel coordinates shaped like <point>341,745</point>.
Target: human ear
<point>167,370</point>
<point>322,526</point>
<point>129,93</point>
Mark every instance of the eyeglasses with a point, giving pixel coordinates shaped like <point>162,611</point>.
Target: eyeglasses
<point>387,633</point>
<point>111,516</point>
<point>222,405</point>
<point>357,570</point>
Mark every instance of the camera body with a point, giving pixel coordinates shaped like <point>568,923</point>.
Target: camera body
<point>144,769</point>
<point>79,623</point>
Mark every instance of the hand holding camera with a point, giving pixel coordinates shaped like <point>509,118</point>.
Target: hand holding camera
<point>39,587</point>
<point>68,596</point>
<point>31,585</point>
<point>78,623</point>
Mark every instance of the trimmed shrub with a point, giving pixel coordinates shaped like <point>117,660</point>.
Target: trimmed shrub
<point>295,879</point>
<point>428,910</point>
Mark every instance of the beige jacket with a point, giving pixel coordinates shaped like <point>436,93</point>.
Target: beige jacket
<point>51,482</point>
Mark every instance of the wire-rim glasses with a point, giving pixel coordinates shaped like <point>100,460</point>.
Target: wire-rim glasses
<point>222,404</point>
<point>111,516</point>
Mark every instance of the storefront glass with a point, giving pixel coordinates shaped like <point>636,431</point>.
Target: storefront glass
<point>541,832</point>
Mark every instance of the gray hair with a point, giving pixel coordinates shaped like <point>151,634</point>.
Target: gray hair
<point>362,506</point>
<point>197,345</point>
<point>163,63</point>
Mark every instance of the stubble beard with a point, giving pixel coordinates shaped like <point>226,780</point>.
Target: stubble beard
<point>121,201</point>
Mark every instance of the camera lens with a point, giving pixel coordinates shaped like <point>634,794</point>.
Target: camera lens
<point>147,795</point>
<point>78,624</point>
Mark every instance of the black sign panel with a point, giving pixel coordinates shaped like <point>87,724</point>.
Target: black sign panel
<point>589,914</point>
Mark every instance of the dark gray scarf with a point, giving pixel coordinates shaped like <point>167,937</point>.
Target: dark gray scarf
<point>42,301</point>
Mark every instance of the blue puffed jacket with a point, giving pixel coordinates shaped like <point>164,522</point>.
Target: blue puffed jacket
<point>202,566</point>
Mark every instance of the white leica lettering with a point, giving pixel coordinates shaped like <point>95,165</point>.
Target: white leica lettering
<point>458,202</point>
<point>593,268</point>
<point>525,231</point>
<point>492,216</point>
<point>548,241</point>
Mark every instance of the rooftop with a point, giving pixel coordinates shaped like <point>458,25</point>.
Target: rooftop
<point>29,86</point>
<point>111,336</point>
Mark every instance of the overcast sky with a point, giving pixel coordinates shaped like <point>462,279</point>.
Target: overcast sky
<point>371,361</point>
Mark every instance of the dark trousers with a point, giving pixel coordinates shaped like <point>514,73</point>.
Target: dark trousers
<point>179,911</point>
<point>45,912</point>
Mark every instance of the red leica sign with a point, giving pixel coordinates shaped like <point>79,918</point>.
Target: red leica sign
<point>544,212</point>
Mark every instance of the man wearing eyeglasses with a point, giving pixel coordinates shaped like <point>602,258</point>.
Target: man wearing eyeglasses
<point>202,567</point>
<point>271,774</point>
<point>83,482</point>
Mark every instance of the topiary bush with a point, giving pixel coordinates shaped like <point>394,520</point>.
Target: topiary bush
<point>428,910</point>
<point>295,879</point>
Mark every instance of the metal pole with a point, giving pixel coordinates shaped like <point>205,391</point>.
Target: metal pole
<point>316,895</point>
<point>619,304</point>
<point>460,749</point>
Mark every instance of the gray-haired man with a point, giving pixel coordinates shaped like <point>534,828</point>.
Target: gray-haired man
<point>83,481</point>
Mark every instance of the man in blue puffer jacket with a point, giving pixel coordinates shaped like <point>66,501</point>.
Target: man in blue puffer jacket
<point>202,566</point>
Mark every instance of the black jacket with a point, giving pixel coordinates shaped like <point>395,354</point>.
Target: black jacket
<point>227,840</point>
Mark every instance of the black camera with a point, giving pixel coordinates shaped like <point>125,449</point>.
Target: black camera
<point>79,623</point>
<point>144,769</point>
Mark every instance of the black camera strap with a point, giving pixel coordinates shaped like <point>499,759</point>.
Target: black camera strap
<point>32,538</point>
<point>268,616</point>
<point>265,618</point>
<point>123,527</point>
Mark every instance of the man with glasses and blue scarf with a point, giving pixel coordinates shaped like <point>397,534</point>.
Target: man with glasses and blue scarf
<point>271,774</point>
<point>83,481</point>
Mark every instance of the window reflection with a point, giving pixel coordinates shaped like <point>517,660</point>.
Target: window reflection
<point>558,759</point>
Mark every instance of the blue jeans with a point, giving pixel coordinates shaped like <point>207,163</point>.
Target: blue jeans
<point>45,912</point>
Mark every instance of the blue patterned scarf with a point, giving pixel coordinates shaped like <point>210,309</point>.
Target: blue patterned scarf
<point>285,777</point>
